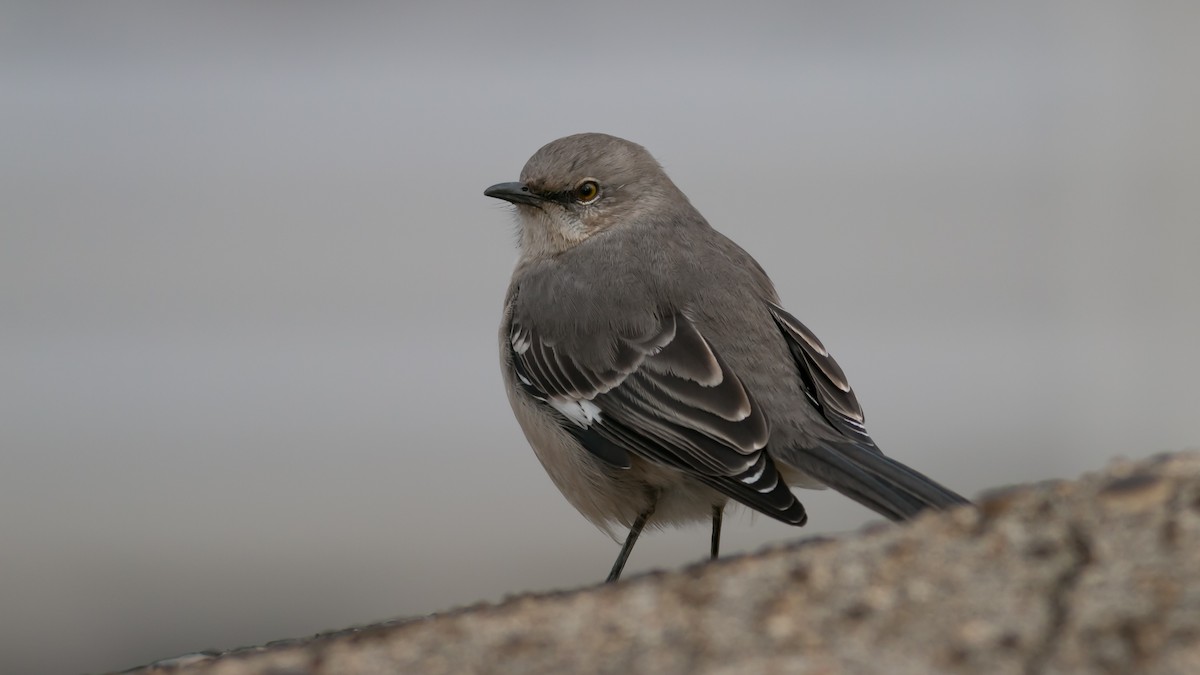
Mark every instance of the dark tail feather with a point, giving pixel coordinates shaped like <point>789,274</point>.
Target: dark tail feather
<point>876,481</point>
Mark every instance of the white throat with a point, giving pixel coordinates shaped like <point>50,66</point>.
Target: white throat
<point>548,232</point>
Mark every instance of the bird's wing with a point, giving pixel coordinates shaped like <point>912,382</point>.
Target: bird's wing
<point>665,396</point>
<point>854,466</point>
<point>824,382</point>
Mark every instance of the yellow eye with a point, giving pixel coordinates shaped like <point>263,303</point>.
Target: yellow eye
<point>587,191</point>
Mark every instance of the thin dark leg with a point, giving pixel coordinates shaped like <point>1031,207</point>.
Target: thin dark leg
<point>631,539</point>
<point>716,535</point>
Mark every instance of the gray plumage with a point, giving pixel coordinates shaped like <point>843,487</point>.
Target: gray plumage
<point>652,368</point>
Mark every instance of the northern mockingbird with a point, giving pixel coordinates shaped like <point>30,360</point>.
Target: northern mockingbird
<point>652,368</point>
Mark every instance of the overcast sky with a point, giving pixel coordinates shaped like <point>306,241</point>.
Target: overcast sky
<point>250,287</point>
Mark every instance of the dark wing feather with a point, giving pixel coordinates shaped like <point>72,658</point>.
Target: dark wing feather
<point>824,382</point>
<point>666,397</point>
<point>855,467</point>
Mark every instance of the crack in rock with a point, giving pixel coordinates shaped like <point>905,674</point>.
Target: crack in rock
<point>1059,606</point>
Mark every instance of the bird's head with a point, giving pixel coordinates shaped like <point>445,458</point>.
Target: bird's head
<point>581,185</point>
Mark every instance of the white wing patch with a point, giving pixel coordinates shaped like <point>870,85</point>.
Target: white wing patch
<point>579,410</point>
<point>519,340</point>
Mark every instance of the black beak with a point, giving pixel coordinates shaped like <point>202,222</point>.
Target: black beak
<point>517,193</point>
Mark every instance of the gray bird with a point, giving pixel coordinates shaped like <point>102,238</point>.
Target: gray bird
<point>651,366</point>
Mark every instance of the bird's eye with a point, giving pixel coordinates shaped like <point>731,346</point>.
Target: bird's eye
<point>587,191</point>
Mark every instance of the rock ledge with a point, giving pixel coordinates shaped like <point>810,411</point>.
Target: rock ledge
<point>1097,575</point>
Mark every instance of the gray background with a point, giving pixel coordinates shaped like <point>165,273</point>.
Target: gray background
<point>249,285</point>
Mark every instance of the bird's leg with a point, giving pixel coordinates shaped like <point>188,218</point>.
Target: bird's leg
<point>632,537</point>
<point>717,510</point>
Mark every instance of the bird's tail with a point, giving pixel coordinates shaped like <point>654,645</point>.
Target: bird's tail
<point>878,482</point>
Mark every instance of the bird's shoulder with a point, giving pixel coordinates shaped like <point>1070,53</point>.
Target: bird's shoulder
<point>625,283</point>
<point>607,287</point>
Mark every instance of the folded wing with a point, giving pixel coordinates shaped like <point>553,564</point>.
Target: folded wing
<point>853,465</point>
<point>665,396</point>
